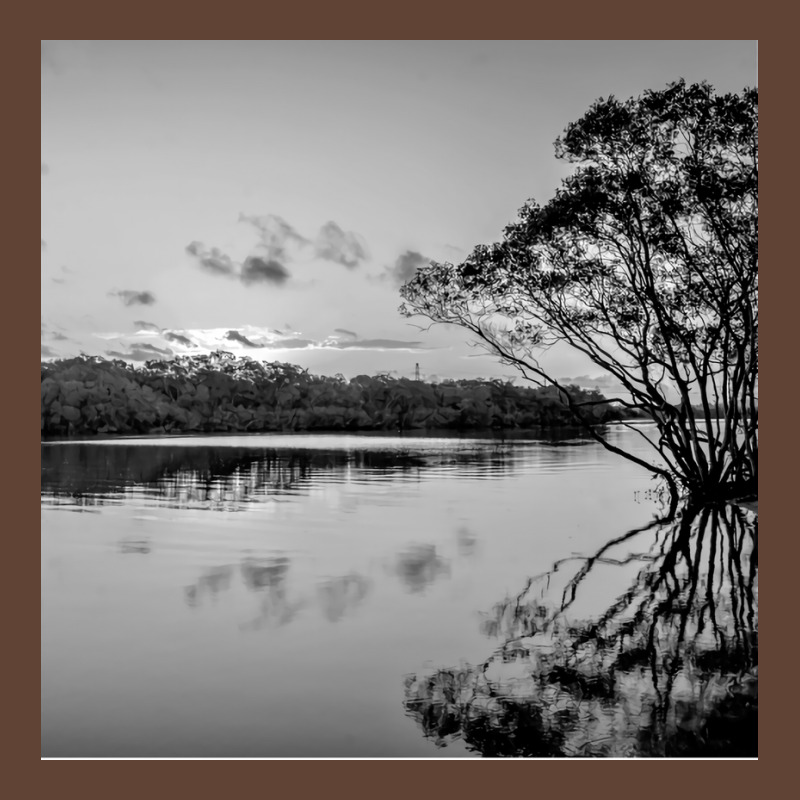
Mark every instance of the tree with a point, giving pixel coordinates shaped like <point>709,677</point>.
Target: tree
<point>646,261</point>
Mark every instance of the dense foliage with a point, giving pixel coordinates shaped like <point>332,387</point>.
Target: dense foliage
<point>646,261</point>
<point>222,393</point>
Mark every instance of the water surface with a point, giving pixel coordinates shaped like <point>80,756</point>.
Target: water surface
<point>294,596</point>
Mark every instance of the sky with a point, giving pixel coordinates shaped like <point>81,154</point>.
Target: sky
<point>268,198</point>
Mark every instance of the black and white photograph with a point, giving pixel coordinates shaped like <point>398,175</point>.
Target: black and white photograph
<point>399,399</point>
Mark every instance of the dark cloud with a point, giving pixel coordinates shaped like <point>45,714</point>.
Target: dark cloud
<point>212,259</point>
<point>141,325</point>
<point>294,344</point>
<point>381,344</point>
<point>334,244</point>
<point>235,336</point>
<point>177,337</point>
<point>140,352</point>
<point>276,235</point>
<point>151,348</point>
<point>44,244</point>
<point>255,269</point>
<point>48,352</point>
<point>132,298</point>
<point>59,337</point>
<point>259,270</point>
<point>405,267</point>
<point>45,169</point>
<point>346,332</point>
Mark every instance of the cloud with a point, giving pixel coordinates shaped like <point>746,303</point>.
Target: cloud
<point>334,244</point>
<point>45,169</point>
<point>276,235</point>
<point>259,270</point>
<point>405,267</point>
<point>244,339</point>
<point>346,332</point>
<point>293,344</point>
<point>48,352</point>
<point>132,298</point>
<point>153,349</point>
<point>141,325</point>
<point>170,336</point>
<point>140,352</point>
<point>380,344</point>
<point>213,260</point>
<point>255,269</point>
<point>235,336</point>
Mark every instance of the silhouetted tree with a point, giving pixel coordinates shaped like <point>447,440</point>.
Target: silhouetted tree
<point>646,261</point>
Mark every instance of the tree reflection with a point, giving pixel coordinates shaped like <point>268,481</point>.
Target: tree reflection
<point>83,475</point>
<point>669,669</point>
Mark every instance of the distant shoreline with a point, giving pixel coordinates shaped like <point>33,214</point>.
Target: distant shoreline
<point>89,397</point>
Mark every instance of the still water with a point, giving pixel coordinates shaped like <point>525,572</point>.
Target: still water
<point>377,596</point>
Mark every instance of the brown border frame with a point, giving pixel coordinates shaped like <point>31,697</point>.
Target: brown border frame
<point>369,21</point>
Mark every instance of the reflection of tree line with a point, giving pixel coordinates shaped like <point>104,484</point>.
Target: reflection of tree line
<point>670,669</point>
<point>88,474</point>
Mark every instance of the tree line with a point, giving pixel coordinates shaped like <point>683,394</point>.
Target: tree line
<point>219,393</point>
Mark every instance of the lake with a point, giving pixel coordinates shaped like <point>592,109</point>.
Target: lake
<point>344,596</point>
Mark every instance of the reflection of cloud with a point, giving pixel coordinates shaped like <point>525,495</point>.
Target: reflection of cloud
<point>339,596</point>
<point>466,541</point>
<point>269,574</point>
<point>419,566</point>
<point>334,244</point>
<point>268,577</point>
<point>132,298</point>
<point>137,546</point>
<point>209,584</point>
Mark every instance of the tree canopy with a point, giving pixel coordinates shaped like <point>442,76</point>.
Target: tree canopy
<point>646,261</point>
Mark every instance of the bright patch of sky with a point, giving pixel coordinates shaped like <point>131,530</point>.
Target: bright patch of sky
<point>269,197</point>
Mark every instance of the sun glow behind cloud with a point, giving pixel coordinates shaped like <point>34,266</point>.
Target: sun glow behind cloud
<point>256,342</point>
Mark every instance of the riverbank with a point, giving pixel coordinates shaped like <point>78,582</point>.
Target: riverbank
<point>219,393</point>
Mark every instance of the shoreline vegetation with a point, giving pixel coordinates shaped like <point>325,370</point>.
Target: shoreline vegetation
<point>219,393</point>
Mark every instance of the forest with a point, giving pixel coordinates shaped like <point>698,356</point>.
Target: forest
<point>222,393</point>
